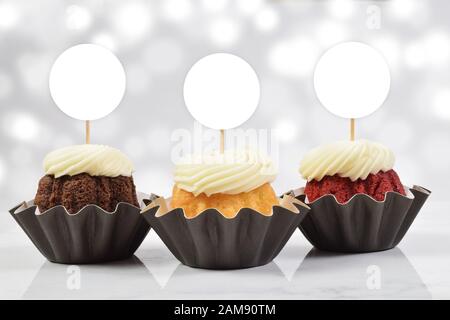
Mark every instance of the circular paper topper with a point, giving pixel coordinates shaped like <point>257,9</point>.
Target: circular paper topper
<point>87,82</point>
<point>352,80</point>
<point>221,91</point>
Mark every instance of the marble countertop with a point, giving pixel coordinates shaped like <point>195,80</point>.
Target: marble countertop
<point>417,269</point>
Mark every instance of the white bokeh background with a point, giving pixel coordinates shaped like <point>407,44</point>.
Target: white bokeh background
<point>157,42</point>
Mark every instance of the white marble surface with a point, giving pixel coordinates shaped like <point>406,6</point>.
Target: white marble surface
<point>417,269</point>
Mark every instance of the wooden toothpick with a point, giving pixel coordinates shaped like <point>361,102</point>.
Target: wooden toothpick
<point>88,132</point>
<point>352,129</point>
<point>222,141</point>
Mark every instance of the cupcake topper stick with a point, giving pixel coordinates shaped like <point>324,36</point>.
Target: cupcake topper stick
<point>87,82</point>
<point>352,80</point>
<point>222,140</point>
<point>352,129</point>
<point>88,131</point>
<point>221,91</point>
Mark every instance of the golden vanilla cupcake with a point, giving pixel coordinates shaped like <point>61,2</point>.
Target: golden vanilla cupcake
<point>225,181</point>
<point>223,213</point>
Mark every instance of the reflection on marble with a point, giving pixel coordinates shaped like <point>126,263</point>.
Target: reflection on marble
<point>266,282</point>
<point>379,275</point>
<point>321,275</point>
<point>128,279</point>
<point>299,272</point>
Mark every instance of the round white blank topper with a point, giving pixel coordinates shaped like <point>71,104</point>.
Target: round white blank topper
<point>87,82</point>
<point>221,91</point>
<point>352,80</point>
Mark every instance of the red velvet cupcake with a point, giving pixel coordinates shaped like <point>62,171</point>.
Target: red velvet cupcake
<point>375,185</point>
<point>347,168</point>
<point>358,203</point>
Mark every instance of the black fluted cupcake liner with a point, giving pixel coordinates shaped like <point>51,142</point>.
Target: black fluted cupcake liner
<point>362,224</point>
<point>212,241</point>
<point>91,235</point>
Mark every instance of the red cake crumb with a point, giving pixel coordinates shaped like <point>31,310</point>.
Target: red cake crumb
<point>376,186</point>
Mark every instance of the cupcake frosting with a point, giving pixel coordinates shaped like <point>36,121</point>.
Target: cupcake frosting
<point>95,160</point>
<point>232,172</point>
<point>348,159</point>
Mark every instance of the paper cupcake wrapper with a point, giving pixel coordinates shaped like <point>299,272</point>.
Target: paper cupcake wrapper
<point>362,224</point>
<point>212,241</point>
<point>92,235</point>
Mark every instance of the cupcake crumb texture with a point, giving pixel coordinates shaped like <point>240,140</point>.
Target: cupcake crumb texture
<point>75,192</point>
<point>261,199</point>
<point>376,186</point>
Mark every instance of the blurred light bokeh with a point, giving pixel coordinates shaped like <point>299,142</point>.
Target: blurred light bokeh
<point>158,41</point>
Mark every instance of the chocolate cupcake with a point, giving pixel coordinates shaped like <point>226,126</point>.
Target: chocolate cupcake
<point>358,203</point>
<point>86,209</point>
<point>78,191</point>
<point>223,213</point>
<point>83,175</point>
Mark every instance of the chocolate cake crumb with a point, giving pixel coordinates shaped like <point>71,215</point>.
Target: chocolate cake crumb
<point>75,192</point>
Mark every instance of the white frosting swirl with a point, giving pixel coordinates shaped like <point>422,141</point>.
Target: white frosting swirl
<point>348,159</point>
<point>95,160</point>
<point>232,172</point>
